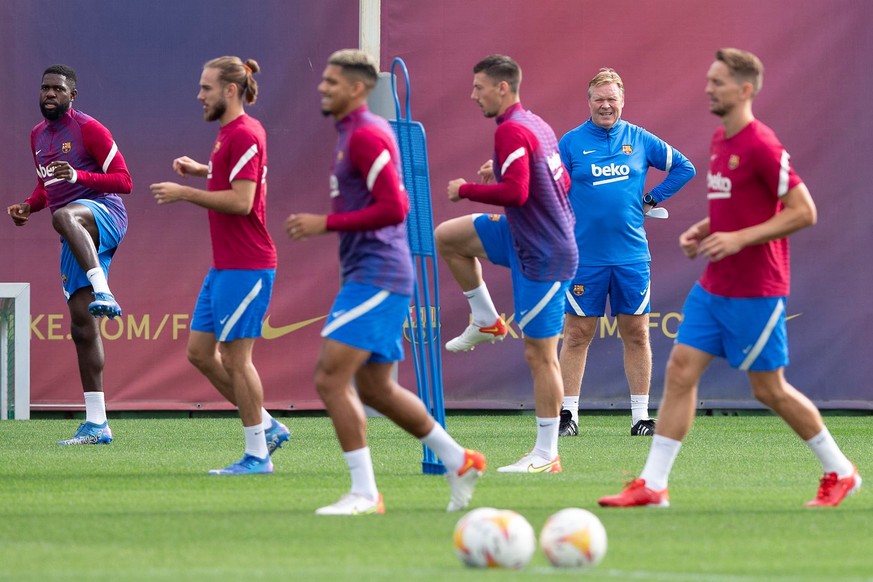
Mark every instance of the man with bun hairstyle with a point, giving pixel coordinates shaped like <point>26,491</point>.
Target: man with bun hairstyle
<point>236,292</point>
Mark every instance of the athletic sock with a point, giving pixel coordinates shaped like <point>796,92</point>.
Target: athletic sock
<point>829,454</point>
<point>639,407</point>
<point>445,447</point>
<point>659,463</point>
<point>481,306</point>
<point>266,419</point>
<point>361,469</point>
<point>98,281</point>
<point>95,407</point>
<point>256,441</point>
<point>547,438</point>
<point>571,403</point>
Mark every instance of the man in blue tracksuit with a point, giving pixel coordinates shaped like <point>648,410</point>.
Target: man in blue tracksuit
<point>608,159</point>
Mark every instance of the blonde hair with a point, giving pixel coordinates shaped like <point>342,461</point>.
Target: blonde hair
<point>605,76</point>
<point>234,70</point>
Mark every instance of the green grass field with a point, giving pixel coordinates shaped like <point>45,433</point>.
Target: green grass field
<point>143,507</point>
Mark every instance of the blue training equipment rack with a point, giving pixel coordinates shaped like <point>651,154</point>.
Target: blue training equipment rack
<point>423,319</point>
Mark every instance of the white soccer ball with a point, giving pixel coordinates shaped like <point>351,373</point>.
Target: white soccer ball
<point>573,538</point>
<point>494,538</point>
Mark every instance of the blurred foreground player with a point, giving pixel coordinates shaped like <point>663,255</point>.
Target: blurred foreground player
<point>364,330</point>
<point>80,173</point>
<point>236,292</point>
<point>737,309</point>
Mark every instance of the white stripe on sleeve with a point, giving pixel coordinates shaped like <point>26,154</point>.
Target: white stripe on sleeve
<point>109,157</point>
<point>379,164</point>
<point>784,167</point>
<point>511,158</point>
<point>246,157</point>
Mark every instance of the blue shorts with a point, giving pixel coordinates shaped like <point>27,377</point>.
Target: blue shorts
<point>539,305</point>
<point>750,333</point>
<point>232,303</point>
<point>628,288</point>
<point>73,277</point>
<point>369,319</point>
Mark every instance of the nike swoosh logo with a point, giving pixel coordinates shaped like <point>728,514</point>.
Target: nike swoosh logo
<point>493,330</point>
<point>37,152</point>
<point>544,468</point>
<point>468,464</point>
<point>269,332</point>
<point>586,152</point>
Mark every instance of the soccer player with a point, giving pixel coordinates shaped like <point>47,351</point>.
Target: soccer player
<point>737,309</point>
<point>236,292</point>
<point>80,174</point>
<point>534,239</point>
<point>364,330</point>
<point>608,159</point>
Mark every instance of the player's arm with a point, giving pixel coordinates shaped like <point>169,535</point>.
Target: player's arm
<point>513,146</point>
<point>114,178</point>
<point>679,169</point>
<point>237,200</point>
<point>185,166</point>
<point>689,241</point>
<point>370,153</point>
<point>798,212</point>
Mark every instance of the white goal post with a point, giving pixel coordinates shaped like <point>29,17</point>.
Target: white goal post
<point>15,355</point>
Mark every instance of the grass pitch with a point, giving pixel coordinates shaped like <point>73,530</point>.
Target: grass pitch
<point>143,507</point>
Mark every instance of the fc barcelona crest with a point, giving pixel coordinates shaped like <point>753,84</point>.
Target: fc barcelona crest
<point>627,149</point>
<point>734,162</point>
<point>578,290</point>
<point>66,147</point>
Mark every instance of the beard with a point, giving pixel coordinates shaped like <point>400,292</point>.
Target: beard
<point>216,112</point>
<point>57,112</point>
<point>719,109</point>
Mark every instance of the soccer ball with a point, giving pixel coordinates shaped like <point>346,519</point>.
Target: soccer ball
<point>494,538</point>
<point>573,538</point>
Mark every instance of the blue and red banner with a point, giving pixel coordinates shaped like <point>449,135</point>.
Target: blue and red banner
<point>139,66</point>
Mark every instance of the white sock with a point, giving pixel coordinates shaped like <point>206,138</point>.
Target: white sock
<point>98,280</point>
<point>659,463</point>
<point>639,408</point>
<point>361,470</point>
<point>829,454</point>
<point>266,419</point>
<point>445,447</point>
<point>571,403</point>
<point>547,438</point>
<point>484,312</point>
<point>95,407</point>
<point>256,442</point>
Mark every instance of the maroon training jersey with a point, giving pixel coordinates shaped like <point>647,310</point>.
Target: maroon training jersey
<point>84,143</point>
<point>748,175</point>
<point>240,153</point>
<point>532,184</point>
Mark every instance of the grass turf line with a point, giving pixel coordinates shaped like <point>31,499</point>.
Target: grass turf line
<point>143,507</point>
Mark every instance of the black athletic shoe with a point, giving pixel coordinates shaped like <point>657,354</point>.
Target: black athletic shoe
<point>644,428</point>
<point>568,426</point>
